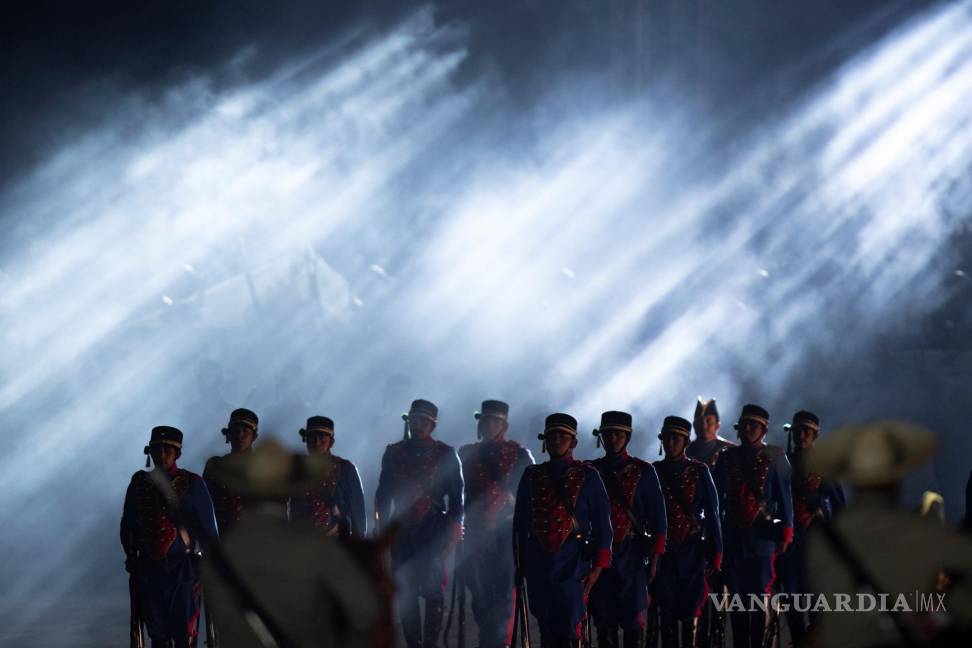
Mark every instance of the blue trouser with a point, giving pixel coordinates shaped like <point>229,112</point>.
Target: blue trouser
<point>680,586</point>
<point>418,558</point>
<point>488,572</point>
<point>168,594</point>
<point>620,596</point>
<point>555,589</point>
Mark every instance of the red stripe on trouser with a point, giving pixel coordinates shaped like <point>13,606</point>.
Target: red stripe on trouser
<point>508,632</point>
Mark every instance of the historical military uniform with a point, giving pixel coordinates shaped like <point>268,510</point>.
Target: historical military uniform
<point>159,544</point>
<point>712,626</point>
<point>880,550</point>
<point>694,539</point>
<point>335,505</point>
<point>700,449</point>
<point>562,526</point>
<point>814,499</point>
<point>619,599</point>
<point>491,469</point>
<point>229,505</point>
<point>422,478</point>
<point>753,481</point>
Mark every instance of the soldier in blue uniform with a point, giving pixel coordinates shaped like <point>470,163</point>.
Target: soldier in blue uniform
<point>708,443</point>
<point>422,479</point>
<point>491,469</point>
<point>814,499</point>
<point>159,545</point>
<point>753,481</point>
<point>240,433</point>
<point>694,551</point>
<point>638,520</point>
<point>562,527</point>
<point>336,506</point>
<point>706,446</point>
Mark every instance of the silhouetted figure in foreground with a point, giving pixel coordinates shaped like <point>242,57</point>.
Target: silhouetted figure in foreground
<point>876,548</point>
<point>321,594</point>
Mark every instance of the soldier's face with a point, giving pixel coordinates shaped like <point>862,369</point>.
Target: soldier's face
<point>614,441</point>
<point>319,442</point>
<point>674,444</point>
<point>164,456</point>
<point>750,431</point>
<point>559,444</point>
<point>420,425</point>
<point>710,425</point>
<point>804,436</point>
<point>492,428</point>
<point>241,436</point>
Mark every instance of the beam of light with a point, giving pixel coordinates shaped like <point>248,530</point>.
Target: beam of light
<point>360,217</point>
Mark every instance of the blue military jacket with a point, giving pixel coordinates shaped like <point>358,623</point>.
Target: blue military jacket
<point>545,529</point>
<point>754,487</point>
<point>636,481</point>
<point>336,504</point>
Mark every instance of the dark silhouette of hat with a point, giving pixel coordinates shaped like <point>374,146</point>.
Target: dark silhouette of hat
<point>243,415</point>
<point>754,413</point>
<point>871,454</point>
<point>706,408</point>
<point>424,407</point>
<point>614,420</point>
<point>270,471</point>
<point>560,422</point>
<point>803,417</point>
<point>493,408</point>
<point>319,424</point>
<point>676,425</point>
<point>166,435</point>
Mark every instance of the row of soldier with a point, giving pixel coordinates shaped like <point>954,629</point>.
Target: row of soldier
<point>595,541</point>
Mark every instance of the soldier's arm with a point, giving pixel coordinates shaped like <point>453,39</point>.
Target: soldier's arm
<point>713,525</point>
<point>201,507</point>
<point>383,496</point>
<point>654,504</point>
<point>784,495</point>
<point>602,535</point>
<point>127,531</point>
<point>521,511</point>
<point>359,519</point>
<point>455,492</point>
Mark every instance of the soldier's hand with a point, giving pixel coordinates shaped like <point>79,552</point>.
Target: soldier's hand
<point>590,579</point>
<point>781,547</point>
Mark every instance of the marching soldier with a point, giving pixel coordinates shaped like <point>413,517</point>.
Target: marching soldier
<point>422,478</point>
<point>562,527</point>
<point>491,469</point>
<point>694,536</point>
<point>620,597</point>
<point>706,448</point>
<point>708,443</point>
<point>240,433</point>
<point>753,481</point>
<point>336,506</point>
<point>159,542</point>
<point>813,499</point>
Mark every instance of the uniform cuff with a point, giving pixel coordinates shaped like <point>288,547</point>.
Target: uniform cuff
<point>660,543</point>
<point>603,558</point>
<point>788,534</point>
<point>717,561</point>
<point>457,531</point>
